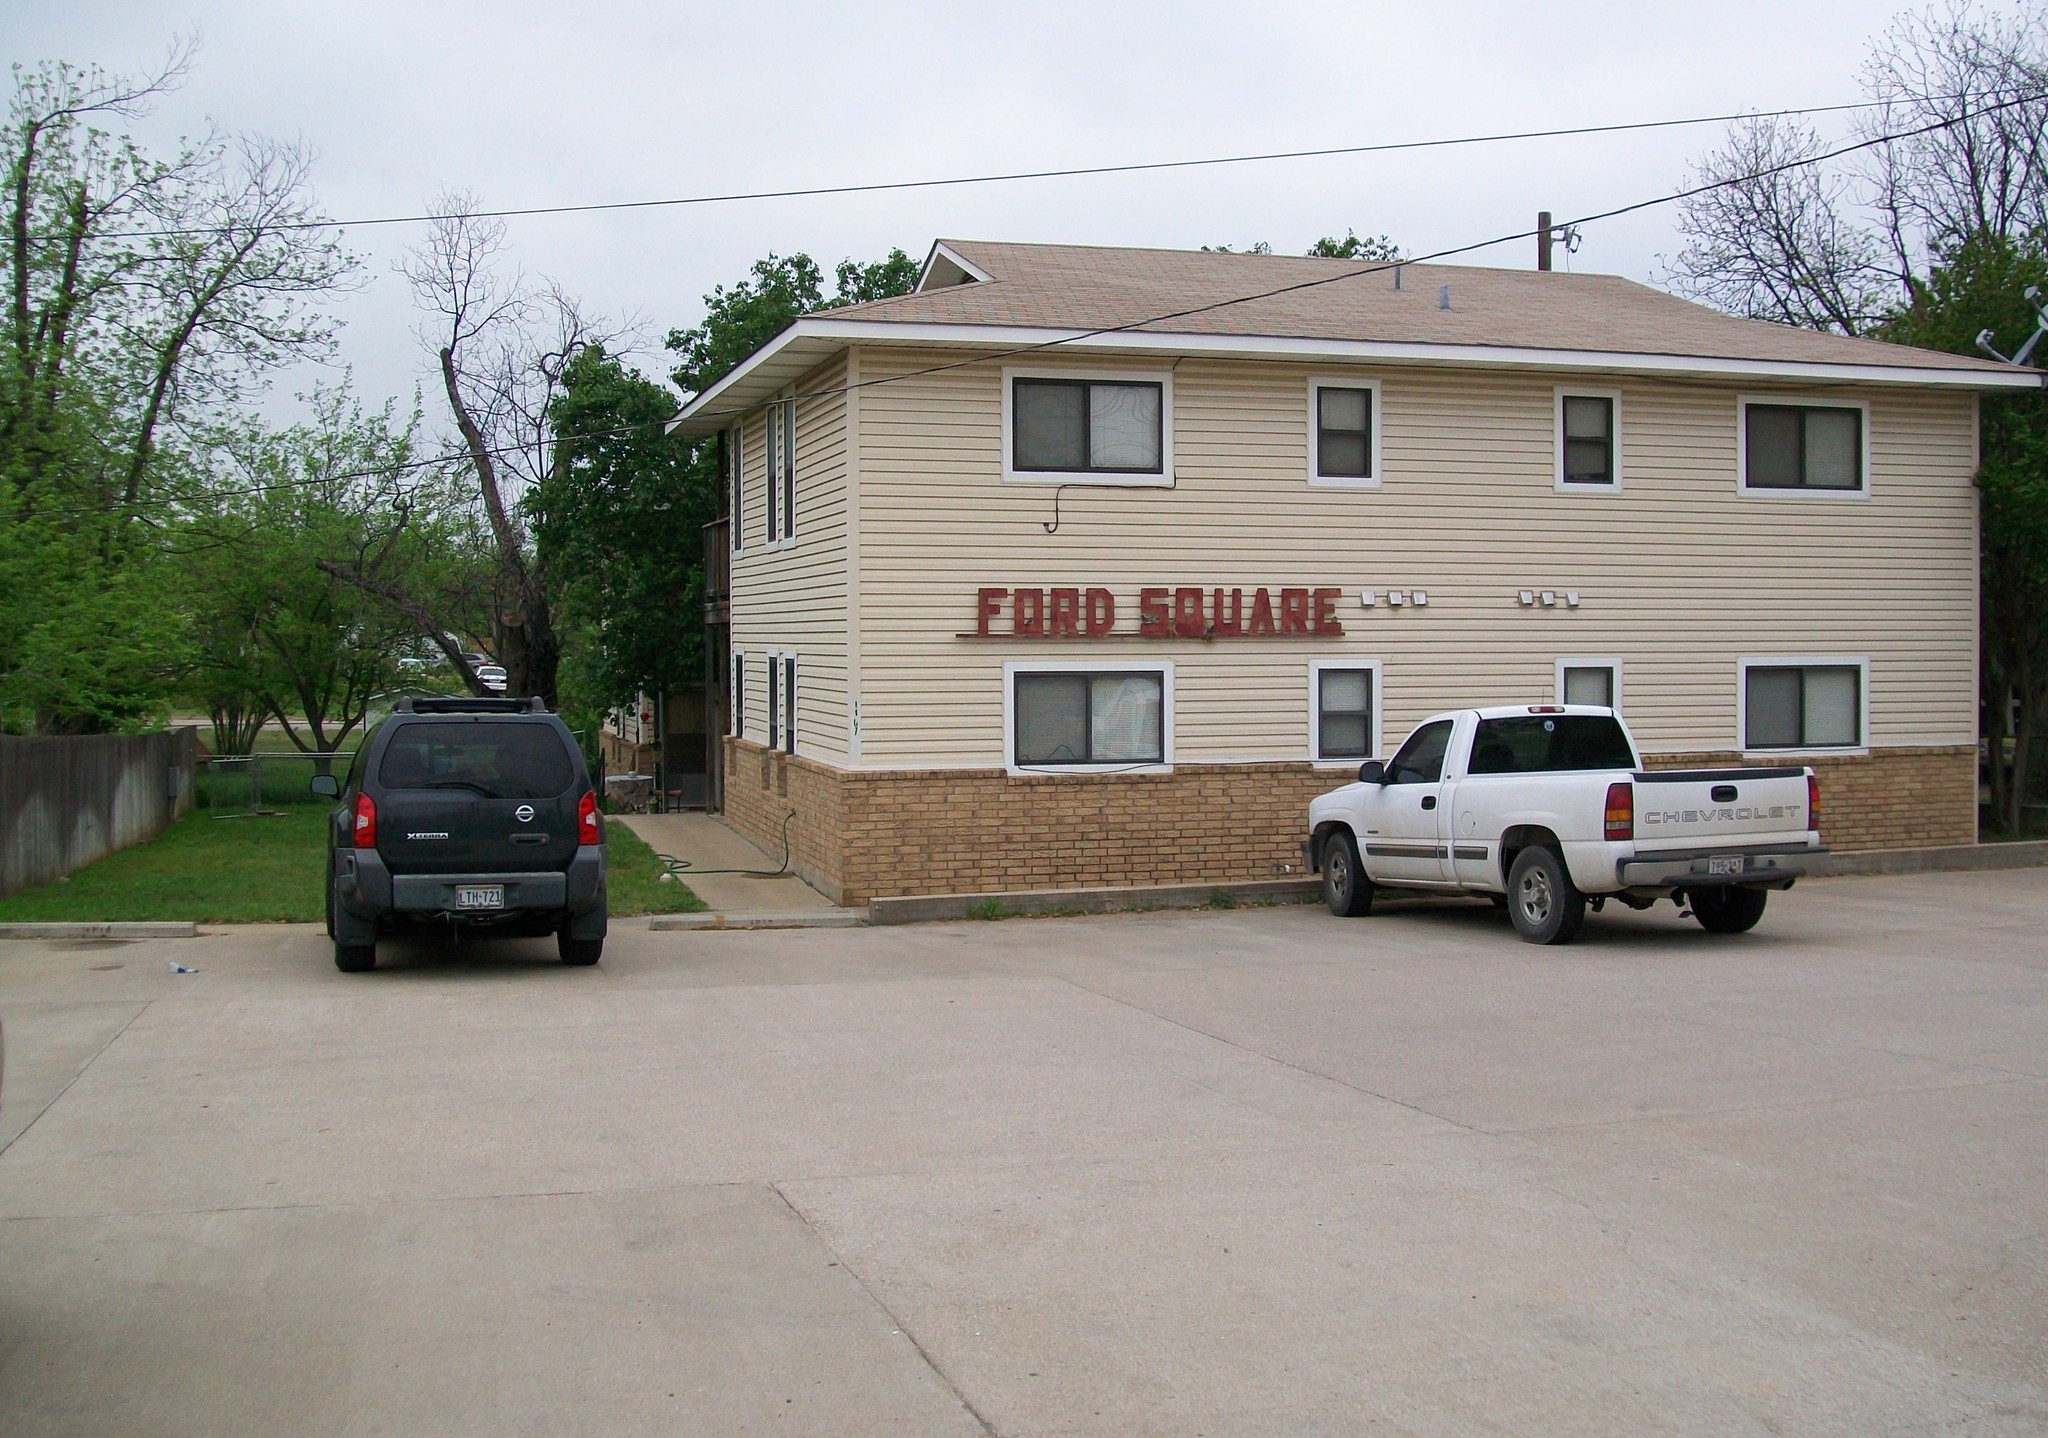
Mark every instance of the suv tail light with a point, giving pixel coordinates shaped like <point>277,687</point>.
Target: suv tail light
<point>1621,812</point>
<point>366,822</point>
<point>588,828</point>
<point>1812,800</point>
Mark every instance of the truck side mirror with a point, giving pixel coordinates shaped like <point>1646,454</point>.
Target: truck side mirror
<point>1372,771</point>
<point>325,784</point>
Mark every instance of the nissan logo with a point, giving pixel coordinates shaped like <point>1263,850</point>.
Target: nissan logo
<point>524,813</point>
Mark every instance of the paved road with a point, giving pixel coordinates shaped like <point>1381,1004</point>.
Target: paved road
<point>1259,1172</point>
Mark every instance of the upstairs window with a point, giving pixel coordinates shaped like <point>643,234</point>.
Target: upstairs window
<point>781,486</point>
<point>1344,433</point>
<point>735,485</point>
<point>1587,454</point>
<point>788,477</point>
<point>1791,448</point>
<point>1087,427</point>
<point>771,491</point>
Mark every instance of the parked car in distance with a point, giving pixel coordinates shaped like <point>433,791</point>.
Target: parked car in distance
<point>492,677</point>
<point>465,815</point>
<point>1546,808</point>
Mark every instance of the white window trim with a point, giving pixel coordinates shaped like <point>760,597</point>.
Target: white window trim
<point>1589,663</point>
<point>1332,381</point>
<point>1315,711</point>
<point>1816,401</point>
<point>1162,667</point>
<point>1162,480</point>
<point>1581,391</point>
<point>1860,662</point>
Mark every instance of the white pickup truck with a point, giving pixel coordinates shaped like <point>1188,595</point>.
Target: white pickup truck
<point>1545,807</point>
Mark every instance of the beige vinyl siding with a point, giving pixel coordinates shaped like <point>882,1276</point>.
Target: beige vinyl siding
<point>793,597</point>
<point>1678,575</point>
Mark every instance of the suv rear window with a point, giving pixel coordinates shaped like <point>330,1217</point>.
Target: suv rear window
<point>1544,743</point>
<point>497,759</point>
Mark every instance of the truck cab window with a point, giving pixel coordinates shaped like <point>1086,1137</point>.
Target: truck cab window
<point>1421,760</point>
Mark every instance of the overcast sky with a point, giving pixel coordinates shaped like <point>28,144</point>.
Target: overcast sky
<point>530,103</point>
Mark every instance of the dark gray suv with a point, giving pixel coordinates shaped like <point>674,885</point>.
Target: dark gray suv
<point>470,815</point>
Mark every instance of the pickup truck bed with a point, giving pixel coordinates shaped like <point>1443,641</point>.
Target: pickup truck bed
<point>1545,807</point>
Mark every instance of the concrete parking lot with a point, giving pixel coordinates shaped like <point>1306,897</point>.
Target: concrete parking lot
<point>1249,1172</point>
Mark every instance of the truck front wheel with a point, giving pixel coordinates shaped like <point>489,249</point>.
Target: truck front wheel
<point>1729,910</point>
<point>1545,904</point>
<point>1346,889</point>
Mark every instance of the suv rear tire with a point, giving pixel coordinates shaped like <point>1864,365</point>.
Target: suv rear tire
<point>580,952</point>
<point>355,958</point>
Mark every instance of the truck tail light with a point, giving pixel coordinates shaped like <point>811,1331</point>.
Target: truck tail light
<point>1621,812</point>
<point>588,829</point>
<point>366,822</point>
<point>1812,800</point>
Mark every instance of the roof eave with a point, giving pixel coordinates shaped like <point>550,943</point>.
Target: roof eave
<point>814,338</point>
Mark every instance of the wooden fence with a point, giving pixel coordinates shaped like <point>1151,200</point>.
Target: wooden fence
<point>65,802</point>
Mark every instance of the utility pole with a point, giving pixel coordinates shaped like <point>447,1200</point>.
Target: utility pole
<point>1543,239</point>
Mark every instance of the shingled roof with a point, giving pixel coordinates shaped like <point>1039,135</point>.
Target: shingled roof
<point>1092,287</point>
<point>1092,298</point>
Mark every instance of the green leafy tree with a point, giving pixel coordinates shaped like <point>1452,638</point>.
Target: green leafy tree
<point>145,296</point>
<point>1976,286</point>
<point>312,650</point>
<point>1351,247</point>
<point>880,280</point>
<point>741,318</point>
<point>619,523</point>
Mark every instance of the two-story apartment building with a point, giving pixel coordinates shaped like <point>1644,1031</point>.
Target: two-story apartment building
<point>1084,567</point>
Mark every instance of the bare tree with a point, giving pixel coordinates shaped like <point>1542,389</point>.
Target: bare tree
<point>1839,245</point>
<point>1777,241</point>
<point>144,292</point>
<point>1970,93</point>
<point>500,342</point>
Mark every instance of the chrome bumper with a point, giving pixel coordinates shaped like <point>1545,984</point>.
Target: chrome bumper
<point>1696,869</point>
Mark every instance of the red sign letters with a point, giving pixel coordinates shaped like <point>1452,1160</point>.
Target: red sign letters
<point>1185,612</point>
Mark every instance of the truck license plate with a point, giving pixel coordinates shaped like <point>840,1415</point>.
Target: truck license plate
<point>487,896</point>
<point>1725,864</point>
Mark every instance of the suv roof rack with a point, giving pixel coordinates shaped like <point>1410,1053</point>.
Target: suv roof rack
<point>468,704</point>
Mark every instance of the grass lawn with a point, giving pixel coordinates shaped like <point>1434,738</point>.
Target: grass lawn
<point>257,870</point>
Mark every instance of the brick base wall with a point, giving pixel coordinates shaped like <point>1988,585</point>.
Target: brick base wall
<point>859,835</point>
<point>1885,799</point>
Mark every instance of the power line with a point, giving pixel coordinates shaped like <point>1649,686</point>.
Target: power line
<point>1382,266</point>
<point>1008,177</point>
<point>1373,268</point>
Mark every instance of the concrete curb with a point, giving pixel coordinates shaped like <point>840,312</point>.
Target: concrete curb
<point>2021,854</point>
<point>924,908</point>
<point>100,931</point>
<point>809,919</point>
